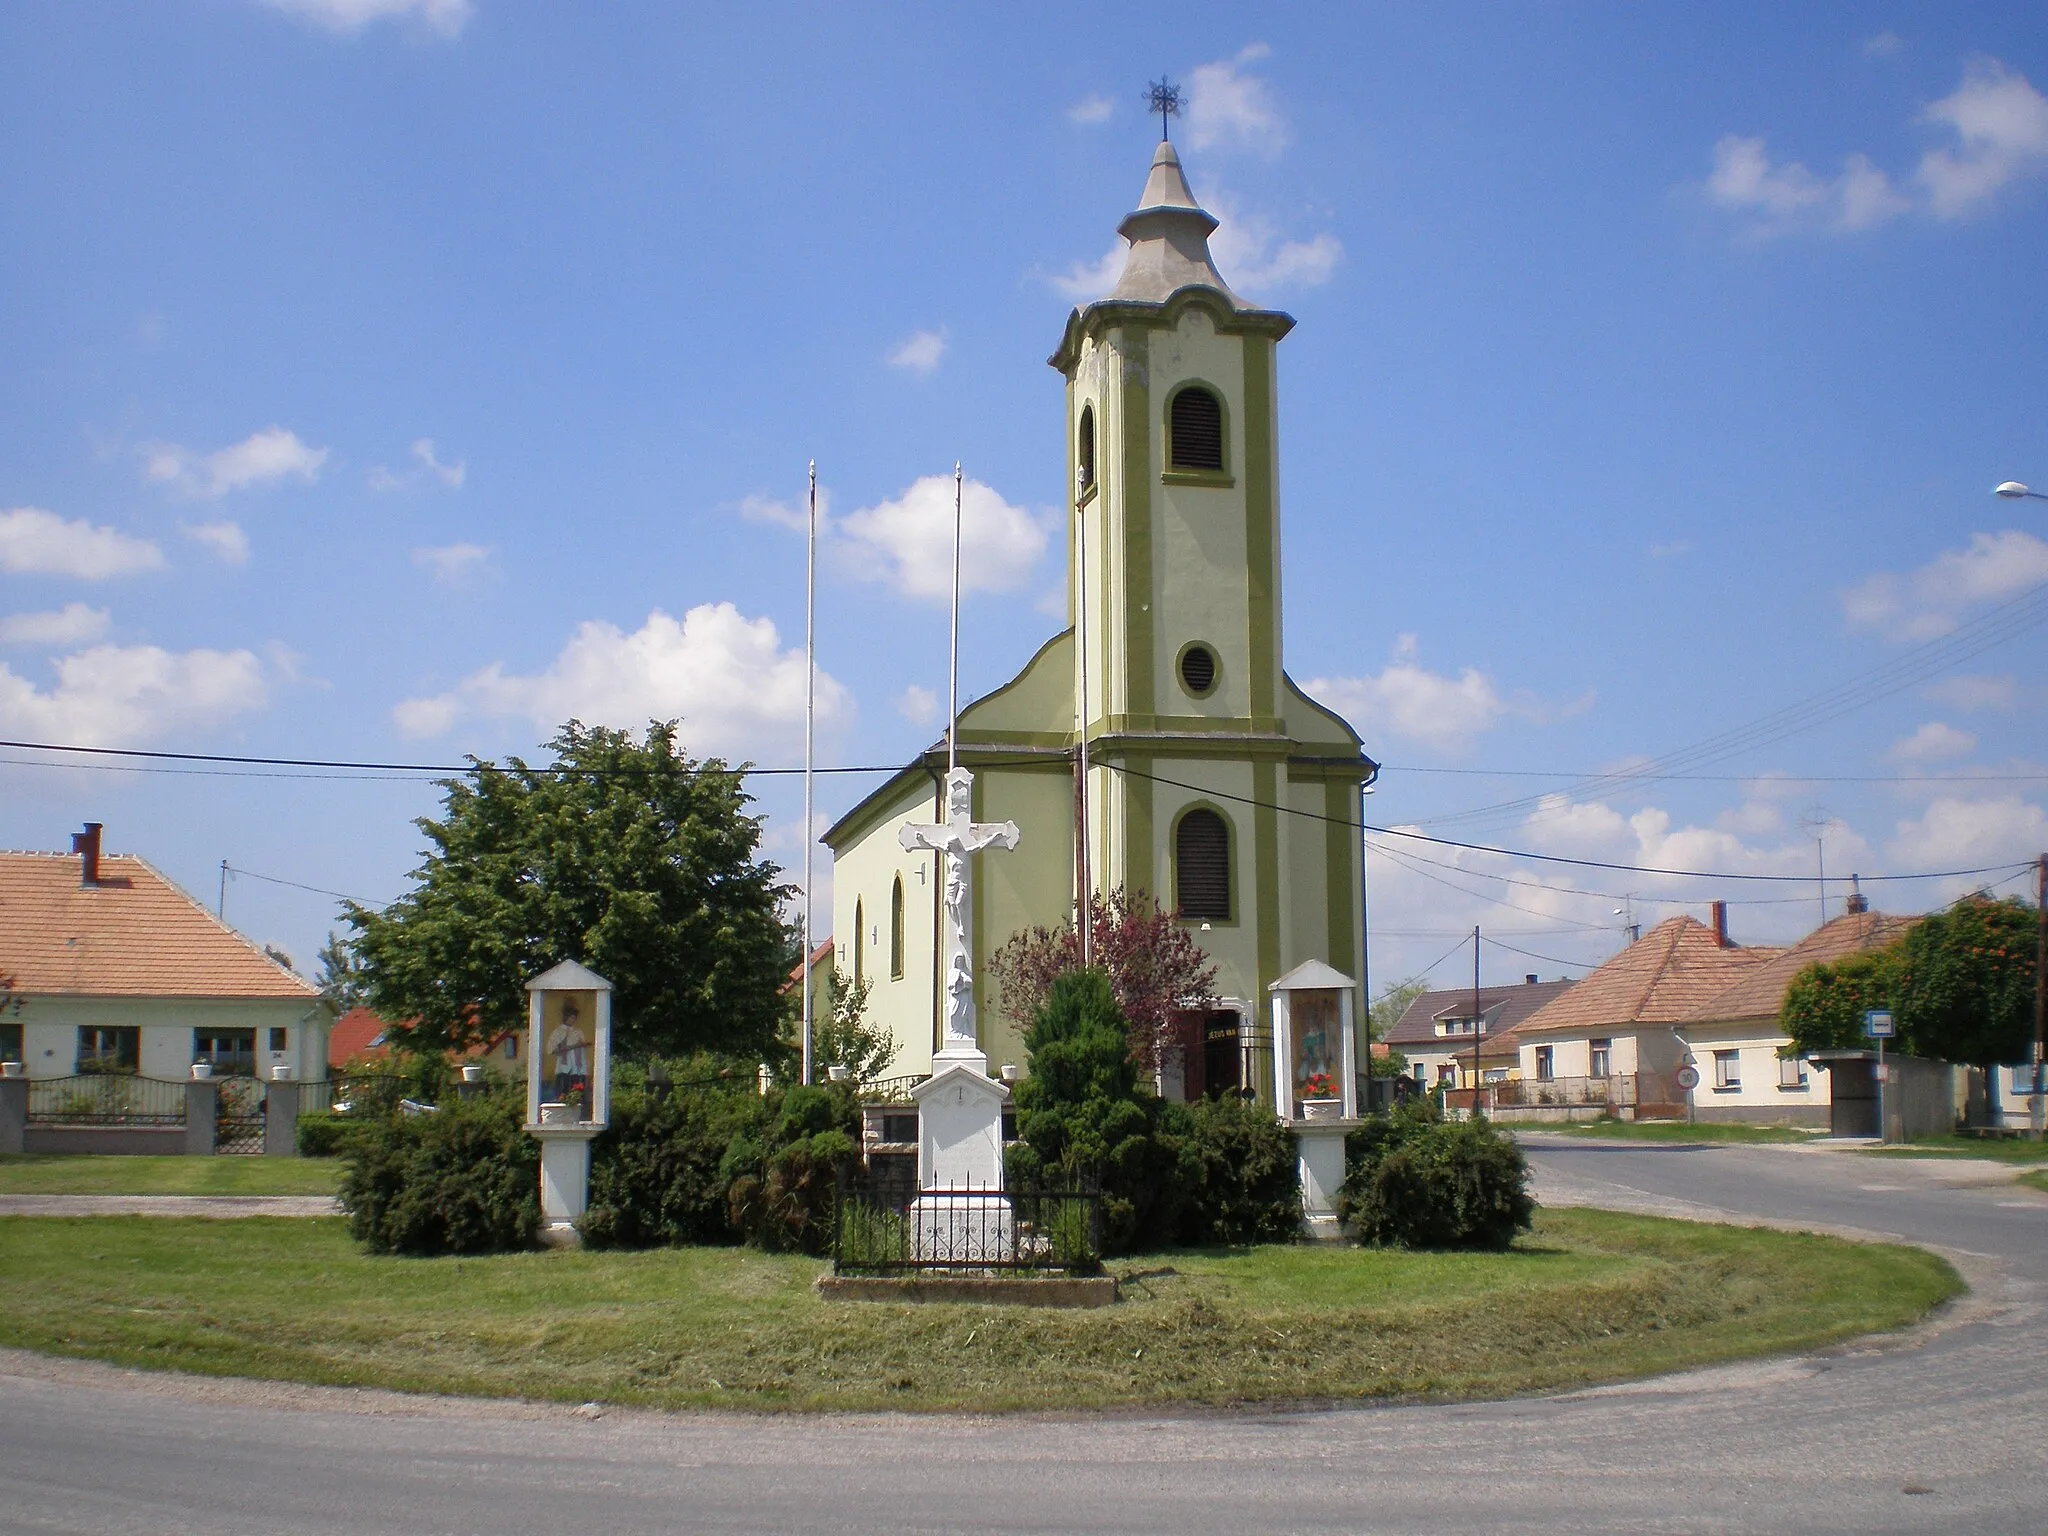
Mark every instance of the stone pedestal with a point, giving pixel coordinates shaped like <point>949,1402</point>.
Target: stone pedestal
<point>1320,1146</point>
<point>202,1109</point>
<point>961,1215</point>
<point>564,1181</point>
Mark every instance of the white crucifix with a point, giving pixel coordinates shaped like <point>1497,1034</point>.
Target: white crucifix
<point>959,837</point>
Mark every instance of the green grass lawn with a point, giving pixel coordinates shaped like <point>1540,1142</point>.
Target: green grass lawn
<point>35,1174</point>
<point>1590,1296</point>
<point>2036,1179</point>
<point>1999,1149</point>
<point>1673,1130</point>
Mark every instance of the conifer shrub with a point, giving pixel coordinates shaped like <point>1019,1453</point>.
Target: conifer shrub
<point>1415,1180</point>
<point>462,1180</point>
<point>1241,1175</point>
<point>1085,1121</point>
<point>783,1187</point>
<point>659,1174</point>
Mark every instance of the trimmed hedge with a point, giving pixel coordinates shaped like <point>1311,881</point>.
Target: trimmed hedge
<point>1242,1175</point>
<point>1415,1180</point>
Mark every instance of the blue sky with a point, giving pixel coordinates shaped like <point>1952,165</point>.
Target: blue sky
<point>391,379</point>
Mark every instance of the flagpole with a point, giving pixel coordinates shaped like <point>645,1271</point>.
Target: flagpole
<point>810,743</point>
<point>953,664</point>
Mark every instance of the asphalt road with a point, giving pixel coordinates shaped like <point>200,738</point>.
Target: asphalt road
<point>1958,1413</point>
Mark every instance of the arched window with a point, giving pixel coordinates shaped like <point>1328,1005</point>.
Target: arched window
<point>1201,864</point>
<point>860,945</point>
<point>896,930</point>
<point>1084,447</point>
<point>1196,430</point>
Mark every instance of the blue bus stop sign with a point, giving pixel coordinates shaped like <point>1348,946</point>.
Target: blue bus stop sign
<point>1877,1024</point>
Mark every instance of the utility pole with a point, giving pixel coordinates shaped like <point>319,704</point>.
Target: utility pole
<point>1478,1020</point>
<point>220,913</point>
<point>2038,1109</point>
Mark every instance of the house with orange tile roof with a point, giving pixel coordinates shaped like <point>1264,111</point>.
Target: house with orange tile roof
<point>1438,1032</point>
<point>118,969</point>
<point>1735,1039</point>
<point>1626,1019</point>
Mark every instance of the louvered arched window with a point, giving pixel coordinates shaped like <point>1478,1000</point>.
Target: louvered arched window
<point>896,930</point>
<point>1201,864</point>
<point>1196,430</point>
<point>1084,448</point>
<point>860,945</point>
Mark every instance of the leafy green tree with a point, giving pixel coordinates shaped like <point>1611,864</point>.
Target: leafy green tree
<point>627,855</point>
<point>1959,983</point>
<point>1388,1007</point>
<point>842,1036</point>
<point>1393,1064</point>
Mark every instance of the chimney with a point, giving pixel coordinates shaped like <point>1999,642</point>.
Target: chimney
<point>1858,902</point>
<point>86,845</point>
<point>1721,925</point>
<point>1529,980</point>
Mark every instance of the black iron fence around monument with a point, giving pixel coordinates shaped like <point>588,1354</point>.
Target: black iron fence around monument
<point>884,1229</point>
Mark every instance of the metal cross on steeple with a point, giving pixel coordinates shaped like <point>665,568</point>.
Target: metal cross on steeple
<point>1163,96</point>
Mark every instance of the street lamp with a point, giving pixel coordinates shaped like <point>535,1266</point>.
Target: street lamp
<point>2012,490</point>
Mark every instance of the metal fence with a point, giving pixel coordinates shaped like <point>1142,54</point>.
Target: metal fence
<point>106,1098</point>
<point>966,1230</point>
<point>891,1090</point>
<point>1616,1091</point>
<point>238,1115</point>
<point>373,1093</point>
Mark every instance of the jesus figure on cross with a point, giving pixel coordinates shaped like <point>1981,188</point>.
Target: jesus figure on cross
<point>958,837</point>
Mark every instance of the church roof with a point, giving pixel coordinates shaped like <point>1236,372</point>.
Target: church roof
<point>1169,235</point>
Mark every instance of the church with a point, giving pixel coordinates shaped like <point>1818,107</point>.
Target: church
<point>1211,782</point>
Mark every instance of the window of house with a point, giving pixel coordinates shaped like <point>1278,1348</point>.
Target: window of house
<point>512,1046</point>
<point>10,1042</point>
<point>230,1052</point>
<point>1084,448</point>
<point>1791,1072</point>
<point>104,1049</point>
<point>1196,430</point>
<point>1727,1069</point>
<point>1447,1072</point>
<point>1544,1064</point>
<point>896,930</point>
<point>2023,1080</point>
<point>1599,1057</point>
<point>1496,1074</point>
<point>1201,857</point>
<point>279,1039</point>
<point>860,945</point>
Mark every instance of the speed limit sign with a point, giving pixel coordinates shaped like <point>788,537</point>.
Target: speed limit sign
<point>1688,1078</point>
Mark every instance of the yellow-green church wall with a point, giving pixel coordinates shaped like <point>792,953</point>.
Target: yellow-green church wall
<point>1029,886</point>
<point>866,863</point>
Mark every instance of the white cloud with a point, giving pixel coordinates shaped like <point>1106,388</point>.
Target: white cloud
<point>260,459</point>
<point>1935,742</point>
<point>1932,600</point>
<point>113,696</point>
<point>1783,197</point>
<point>1974,691</point>
<point>73,624</point>
<point>225,539</point>
<point>737,692</point>
<point>921,352</point>
<point>795,516</point>
<point>908,542</point>
<point>450,475</point>
<point>447,17</point>
<point>38,543</point>
<point>1968,834</point>
<point>1092,279</point>
<point>1670,551</point>
<point>1093,108</point>
<point>1410,701</point>
<point>1228,107</point>
<point>1881,46</point>
<point>450,562</point>
<point>920,706</point>
<point>2001,128</point>
<point>1254,259</point>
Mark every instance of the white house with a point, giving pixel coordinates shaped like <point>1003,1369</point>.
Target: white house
<point>1436,1032</point>
<point>117,969</point>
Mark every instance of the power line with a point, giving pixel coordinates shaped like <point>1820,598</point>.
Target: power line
<point>317,890</point>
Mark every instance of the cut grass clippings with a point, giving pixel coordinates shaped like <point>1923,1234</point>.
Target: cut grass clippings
<point>64,1174</point>
<point>1590,1296</point>
<point>1672,1131</point>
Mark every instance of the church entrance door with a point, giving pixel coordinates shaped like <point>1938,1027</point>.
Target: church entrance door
<point>1222,1054</point>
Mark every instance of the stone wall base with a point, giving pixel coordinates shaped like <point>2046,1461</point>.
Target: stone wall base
<point>973,1290</point>
<point>105,1140</point>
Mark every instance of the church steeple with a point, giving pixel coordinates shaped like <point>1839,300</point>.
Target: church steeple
<point>1169,235</point>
